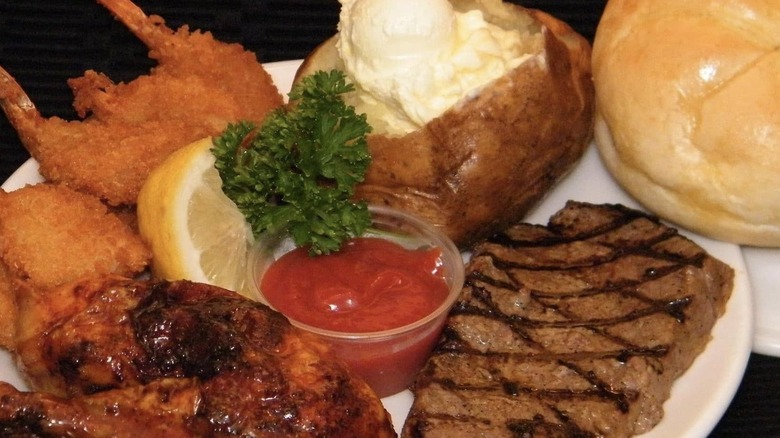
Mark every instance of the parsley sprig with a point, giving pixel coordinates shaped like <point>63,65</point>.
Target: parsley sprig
<point>297,172</point>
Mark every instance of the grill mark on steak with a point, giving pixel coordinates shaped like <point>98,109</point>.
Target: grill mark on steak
<point>674,308</point>
<point>576,329</point>
<point>598,390</point>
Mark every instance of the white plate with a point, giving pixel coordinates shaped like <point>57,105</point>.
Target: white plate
<point>763,265</point>
<point>717,372</point>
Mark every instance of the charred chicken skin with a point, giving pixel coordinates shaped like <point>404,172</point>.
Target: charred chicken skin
<point>121,357</point>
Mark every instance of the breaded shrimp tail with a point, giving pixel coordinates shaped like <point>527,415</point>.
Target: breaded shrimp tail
<point>126,129</point>
<point>228,68</point>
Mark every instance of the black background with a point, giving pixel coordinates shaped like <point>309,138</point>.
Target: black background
<point>45,42</point>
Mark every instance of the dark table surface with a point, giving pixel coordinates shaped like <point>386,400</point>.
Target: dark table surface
<point>44,42</point>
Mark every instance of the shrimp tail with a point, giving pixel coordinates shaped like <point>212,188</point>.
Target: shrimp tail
<point>20,111</point>
<point>150,30</point>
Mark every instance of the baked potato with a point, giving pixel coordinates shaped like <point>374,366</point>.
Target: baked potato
<point>487,160</point>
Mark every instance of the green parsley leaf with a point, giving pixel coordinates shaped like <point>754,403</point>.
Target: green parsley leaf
<point>297,172</point>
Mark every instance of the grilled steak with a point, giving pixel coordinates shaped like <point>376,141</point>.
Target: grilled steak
<point>576,329</point>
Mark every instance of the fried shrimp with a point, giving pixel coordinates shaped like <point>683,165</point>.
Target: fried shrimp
<point>50,235</point>
<point>7,309</point>
<point>124,130</point>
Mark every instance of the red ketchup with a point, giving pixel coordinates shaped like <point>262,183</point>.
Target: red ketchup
<point>371,285</point>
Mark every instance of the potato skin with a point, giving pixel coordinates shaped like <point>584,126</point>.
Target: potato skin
<point>483,164</point>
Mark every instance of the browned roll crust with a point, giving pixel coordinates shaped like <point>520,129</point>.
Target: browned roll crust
<point>485,162</point>
<point>687,112</point>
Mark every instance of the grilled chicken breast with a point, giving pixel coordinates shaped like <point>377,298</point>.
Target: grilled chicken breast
<point>119,357</point>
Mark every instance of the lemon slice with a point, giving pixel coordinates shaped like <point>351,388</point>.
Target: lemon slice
<point>195,231</point>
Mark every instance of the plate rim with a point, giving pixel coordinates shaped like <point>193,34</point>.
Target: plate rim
<point>706,418</point>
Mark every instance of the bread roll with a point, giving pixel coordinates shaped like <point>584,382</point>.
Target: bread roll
<point>688,111</point>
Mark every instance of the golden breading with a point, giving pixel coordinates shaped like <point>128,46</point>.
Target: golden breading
<point>7,309</point>
<point>125,130</point>
<point>51,234</point>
